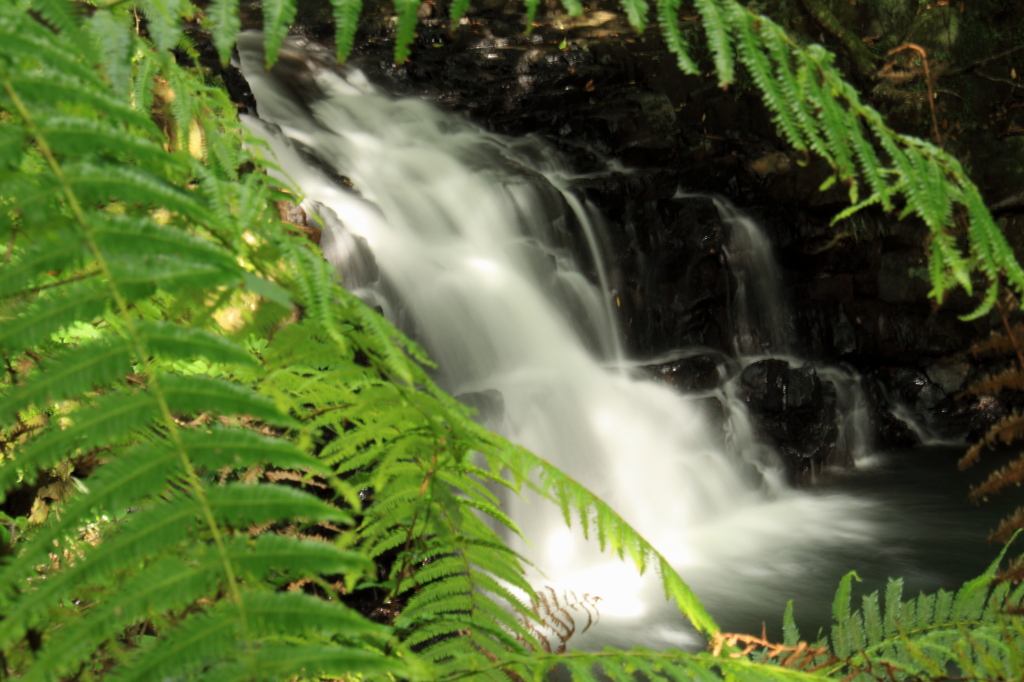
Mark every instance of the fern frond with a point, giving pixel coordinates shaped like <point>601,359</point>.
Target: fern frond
<point>71,374</point>
<point>1006,430</point>
<point>224,14</point>
<point>277,15</point>
<point>1008,527</point>
<point>113,35</point>
<point>1008,474</point>
<point>716,28</point>
<point>636,12</point>
<point>459,8</point>
<point>405,30</point>
<point>164,17</point>
<point>346,22</point>
<point>1010,379</point>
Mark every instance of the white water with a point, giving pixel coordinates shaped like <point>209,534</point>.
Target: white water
<point>478,244</point>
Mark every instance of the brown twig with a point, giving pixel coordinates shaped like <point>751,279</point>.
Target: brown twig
<point>69,280</point>
<point>1007,81</point>
<point>928,81</point>
<point>982,62</point>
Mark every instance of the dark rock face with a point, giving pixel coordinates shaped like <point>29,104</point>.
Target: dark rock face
<point>793,410</point>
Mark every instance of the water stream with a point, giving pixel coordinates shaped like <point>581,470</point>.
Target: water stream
<point>475,245</point>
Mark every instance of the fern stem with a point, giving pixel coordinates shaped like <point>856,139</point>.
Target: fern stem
<point>140,350</point>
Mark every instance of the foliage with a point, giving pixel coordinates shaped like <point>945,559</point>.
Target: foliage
<point>218,463</point>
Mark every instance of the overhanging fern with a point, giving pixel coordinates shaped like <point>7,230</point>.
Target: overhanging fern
<point>99,232</point>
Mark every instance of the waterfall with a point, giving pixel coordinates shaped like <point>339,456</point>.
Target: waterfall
<point>760,309</point>
<point>474,245</point>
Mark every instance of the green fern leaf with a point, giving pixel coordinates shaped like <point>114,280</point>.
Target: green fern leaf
<point>224,14</point>
<point>277,15</point>
<point>12,145</point>
<point>113,35</point>
<point>164,18</point>
<point>636,11</point>
<point>96,183</point>
<point>717,29</point>
<point>66,19</point>
<point>405,31</point>
<point>668,19</point>
<point>112,419</point>
<point>790,632</point>
<point>174,341</point>
<point>60,250</point>
<point>79,136</point>
<point>71,374</point>
<point>195,394</point>
<point>26,38</point>
<point>460,6</point>
<point>346,22</point>
<point>573,7</point>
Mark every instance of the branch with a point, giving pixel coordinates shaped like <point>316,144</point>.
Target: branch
<point>982,62</point>
<point>1012,204</point>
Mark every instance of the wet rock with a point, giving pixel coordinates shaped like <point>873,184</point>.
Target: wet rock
<point>888,431</point>
<point>794,411</point>
<point>346,251</point>
<point>695,373</point>
<point>950,378</point>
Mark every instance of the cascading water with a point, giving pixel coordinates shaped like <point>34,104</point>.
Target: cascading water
<point>759,307</point>
<point>472,244</point>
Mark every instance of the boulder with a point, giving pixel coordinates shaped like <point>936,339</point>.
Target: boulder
<point>794,411</point>
<point>691,374</point>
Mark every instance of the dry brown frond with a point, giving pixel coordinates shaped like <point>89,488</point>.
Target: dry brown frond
<point>1008,526</point>
<point>798,657</point>
<point>1006,430</point>
<point>1012,378</point>
<point>1014,573</point>
<point>998,343</point>
<point>1000,478</point>
<point>557,624</point>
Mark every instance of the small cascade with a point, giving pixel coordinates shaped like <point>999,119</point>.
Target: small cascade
<point>759,307</point>
<point>474,244</point>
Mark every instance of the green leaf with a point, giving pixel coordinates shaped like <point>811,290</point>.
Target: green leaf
<point>196,394</point>
<point>458,10</point>
<point>790,632</point>
<point>405,31</point>
<point>346,22</point>
<point>841,603</point>
<point>71,374</point>
<point>113,34</point>
<point>277,15</point>
<point>267,289</point>
<point>164,17</point>
<point>636,11</point>
<point>12,145</point>
<point>82,301</point>
<point>227,24</point>
<point>174,341</point>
